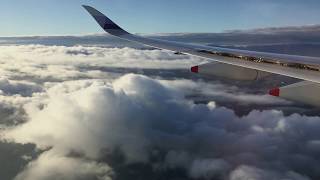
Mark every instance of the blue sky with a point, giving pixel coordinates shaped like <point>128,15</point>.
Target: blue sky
<point>66,17</point>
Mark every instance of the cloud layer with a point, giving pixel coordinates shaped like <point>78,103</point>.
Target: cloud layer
<point>136,115</point>
<point>89,121</point>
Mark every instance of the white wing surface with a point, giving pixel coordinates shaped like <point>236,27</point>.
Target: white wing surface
<point>300,67</point>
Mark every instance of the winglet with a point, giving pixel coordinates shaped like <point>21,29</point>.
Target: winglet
<point>107,24</point>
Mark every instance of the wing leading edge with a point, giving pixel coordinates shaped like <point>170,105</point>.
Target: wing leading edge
<point>301,67</point>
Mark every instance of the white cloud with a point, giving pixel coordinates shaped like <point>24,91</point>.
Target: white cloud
<point>137,114</point>
<point>70,107</point>
<point>30,57</point>
<point>52,166</point>
<point>41,64</point>
<point>247,172</point>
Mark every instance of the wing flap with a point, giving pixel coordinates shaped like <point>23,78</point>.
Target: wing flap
<point>229,71</point>
<point>304,92</point>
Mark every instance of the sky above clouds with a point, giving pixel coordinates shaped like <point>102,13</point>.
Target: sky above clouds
<point>62,17</point>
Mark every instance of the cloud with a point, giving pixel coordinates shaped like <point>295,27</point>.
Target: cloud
<point>49,59</point>
<point>26,68</point>
<point>280,30</point>
<point>90,121</point>
<point>138,116</point>
<point>8,87</point>
<point>209,168</point>
<point>247,172</point>
<point>52,166</point>
<point>218,91</point>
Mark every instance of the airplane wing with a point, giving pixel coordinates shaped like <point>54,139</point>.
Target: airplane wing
<point>237,64</point>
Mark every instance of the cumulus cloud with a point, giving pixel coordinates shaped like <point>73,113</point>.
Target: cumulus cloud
<point>138,116</point>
